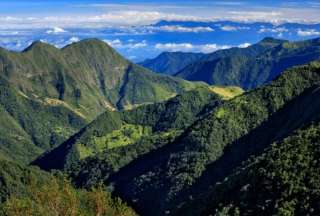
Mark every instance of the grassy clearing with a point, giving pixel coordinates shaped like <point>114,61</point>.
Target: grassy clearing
<point>126,135</point>
<point>227,92</point>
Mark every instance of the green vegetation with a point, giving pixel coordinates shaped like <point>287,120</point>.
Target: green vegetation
<point>227,92</point>
<point>48,94</point>
<point>212,147</point>
<point>183,155</point>
<point>88,76</point>
<point>105,141</point>
<point>30,191</point>
<point>29,127</point>
<point>126,135</point>
<point>196,141</point>
<point>253,66</point>
<point>59,197</point>
<point>282,181</point>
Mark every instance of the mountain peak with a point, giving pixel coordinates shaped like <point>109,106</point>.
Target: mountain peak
<point>92,44</point>
<point>36,45</point>
<point>272,40</point>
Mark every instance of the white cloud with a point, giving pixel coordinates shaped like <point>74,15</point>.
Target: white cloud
<point>246,16</point>
<point>138,17</point>
<point>177,28</point>
<point>56,30</point>
<point>208,48</point>
<point>233,28</point>
<point>118,18</point>
<point>244,45</point>
<point>273,30</point>
<point>73,40</point>
<point>308,32</point>
<point>117,43</point>
<point>175,46</point>
<point>114,43</point>
<point>8,32</point>
<point>188,47</point>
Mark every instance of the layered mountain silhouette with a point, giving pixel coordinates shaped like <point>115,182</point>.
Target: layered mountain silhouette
<point>245,67</point>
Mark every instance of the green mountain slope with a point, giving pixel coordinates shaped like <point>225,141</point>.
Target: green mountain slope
<point>250,68</point>
<point>89,76</point>
<point>48,94</point>
<point>153,171</point>
<point>171,62</point>
<point>141,130</point>
<point>172,172</point>
<point>301,111</point>
<point>284,180</point>
<point>29,126</point>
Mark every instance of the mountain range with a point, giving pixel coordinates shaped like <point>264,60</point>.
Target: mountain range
<point>83,130</point>
<point>182,167</point>
<point>245,67</point>
<point>47,94</point>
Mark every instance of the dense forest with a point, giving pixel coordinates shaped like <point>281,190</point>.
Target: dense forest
<point>100,135</point>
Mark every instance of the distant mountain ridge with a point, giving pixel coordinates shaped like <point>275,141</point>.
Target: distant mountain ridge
<point>171,62</point>
<point>245,67</point>
<point>174,62</point>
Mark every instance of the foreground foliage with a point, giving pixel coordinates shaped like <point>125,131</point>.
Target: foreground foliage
<point>59,197</point>
<point>28,191</point>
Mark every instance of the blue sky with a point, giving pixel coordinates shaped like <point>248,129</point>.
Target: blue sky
<point>130,26</point>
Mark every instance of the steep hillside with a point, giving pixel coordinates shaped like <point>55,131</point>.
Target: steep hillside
<point>173,171</point>
<point>119,137</point>
<point>171,62</point>
<point>299,112</point>
<point>184,166</point>
<point>284,180</point>
<point>252,66</point>
<point>48,94</point>
<point>89,76</point>
<point>29,126</point>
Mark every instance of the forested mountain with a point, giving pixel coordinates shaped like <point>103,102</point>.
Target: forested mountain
<point>252,66</point>
<point>174,62</point>
<point>171,62</point>
<point>173,172</point>
<point>88,75</point>
<point>182,167</point>
<point>245,67</point>
<point>155,141</point>
<point>135,130</point>
<point>30,126</point>
<point>284,180</point>
<point>48,94</point>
